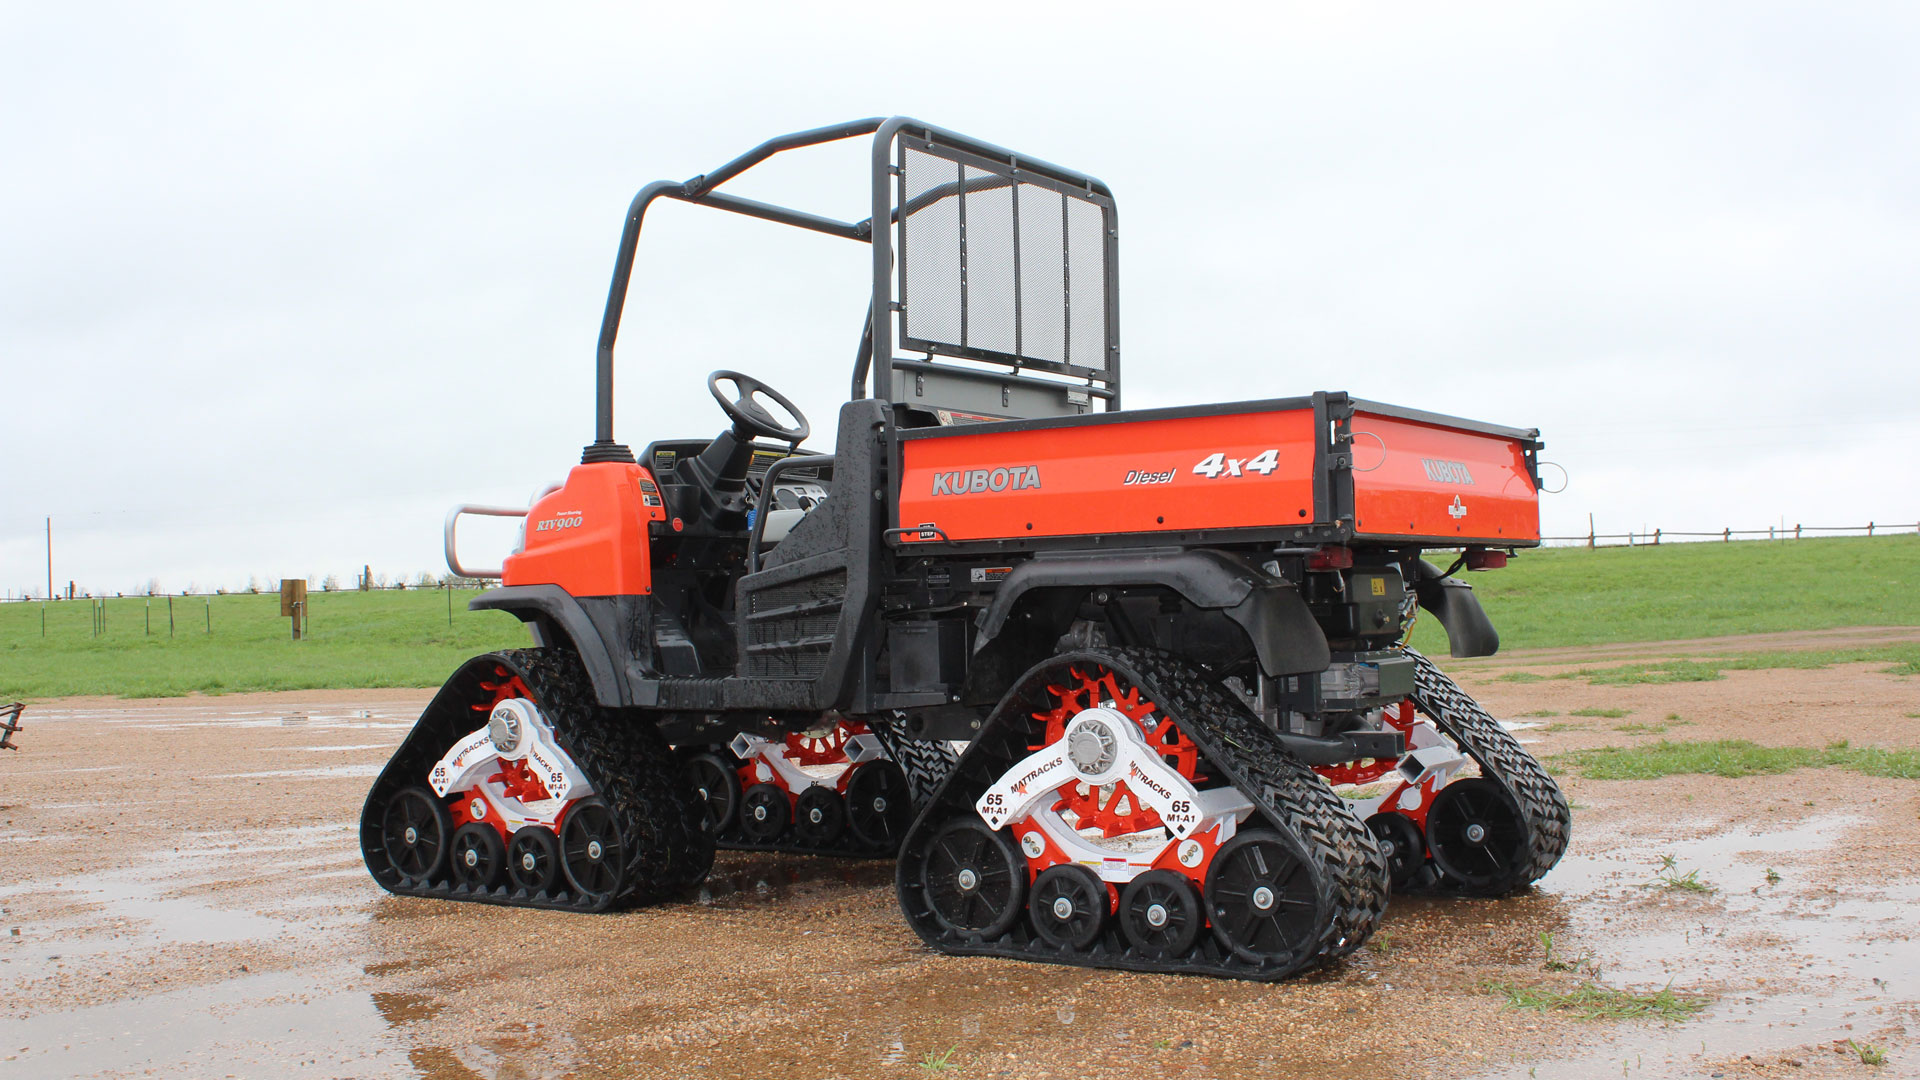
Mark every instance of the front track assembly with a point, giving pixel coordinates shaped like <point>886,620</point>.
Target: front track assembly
<point>533,796</point>
<point>1217,852</point>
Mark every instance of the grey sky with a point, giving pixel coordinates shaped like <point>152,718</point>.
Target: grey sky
<point>279,285</point>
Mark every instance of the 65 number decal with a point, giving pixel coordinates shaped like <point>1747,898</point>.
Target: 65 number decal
<point>1216,465</point>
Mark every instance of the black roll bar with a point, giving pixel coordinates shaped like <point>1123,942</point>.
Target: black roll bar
<point>700,190</point>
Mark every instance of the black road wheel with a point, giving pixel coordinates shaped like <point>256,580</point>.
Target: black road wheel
<point>764,811</point>
<point>1069,905</point>
<point>479,856</point>
<point>975,878</point>
<point>1477,837</point>
<point>1262,900</point>
<point>590,849</point>
<point>533,859</point>
<point>719,787</point>
<point>1160,914</point>
<point>819,817</point>
<point>1402,844</point>
<point>415,831</point>
<point>879,804</point>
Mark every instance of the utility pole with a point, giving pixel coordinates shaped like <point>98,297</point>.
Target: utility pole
<point>49,557</point>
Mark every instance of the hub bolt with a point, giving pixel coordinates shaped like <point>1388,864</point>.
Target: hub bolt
<point>1263,898</point>
<point>1156,915</point>
<point>593,849</point>
<point>1476,832</point>
<point>967,879</point>
<point>1063,908</point>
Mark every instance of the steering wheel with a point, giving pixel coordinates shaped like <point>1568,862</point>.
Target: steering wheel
<point>751,416</point>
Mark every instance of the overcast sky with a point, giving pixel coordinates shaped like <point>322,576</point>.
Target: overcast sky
<point>280,285</point>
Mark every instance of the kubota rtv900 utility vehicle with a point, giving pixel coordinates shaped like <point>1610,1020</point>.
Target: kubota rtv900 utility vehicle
<point>1164,636</point>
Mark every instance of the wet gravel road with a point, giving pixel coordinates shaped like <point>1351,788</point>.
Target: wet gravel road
<point>181,895</point>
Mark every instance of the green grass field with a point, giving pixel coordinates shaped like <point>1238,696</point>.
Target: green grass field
<point>1560,596</point>
<point>1575,596</point>
<point>373,639</point>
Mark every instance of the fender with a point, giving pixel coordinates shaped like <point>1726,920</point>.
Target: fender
<point>1285,637</point>
<point>533,603</point>
<point>1469,631</point>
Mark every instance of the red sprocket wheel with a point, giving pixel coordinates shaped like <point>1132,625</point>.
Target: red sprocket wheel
<point>827,749</point>
<point>514,777</point>
<point>1113,810</point>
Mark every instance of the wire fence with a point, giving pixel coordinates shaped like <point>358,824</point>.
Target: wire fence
<point>1591,539</point>
<point>425,583</point>
<point>1656,537</point>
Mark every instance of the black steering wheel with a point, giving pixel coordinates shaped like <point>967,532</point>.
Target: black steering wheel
<point>750,416</point>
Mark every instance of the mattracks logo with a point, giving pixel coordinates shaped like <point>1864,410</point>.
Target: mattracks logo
<point>1020,786</point>
<point>965,482</point>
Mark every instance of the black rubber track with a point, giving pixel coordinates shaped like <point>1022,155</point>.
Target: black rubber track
<point>926,765</point>
<point>1348,870</point>
<point>629,764</point>
<point>1543,807</point>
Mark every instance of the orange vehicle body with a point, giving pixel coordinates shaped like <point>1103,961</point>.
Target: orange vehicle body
<point>590,536</point>
<point>1238,467</point>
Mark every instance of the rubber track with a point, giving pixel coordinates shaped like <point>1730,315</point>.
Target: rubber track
<point>625,758</point>
<point>1502,759</point>
<point>1349,871</point>
<point>926,765</point>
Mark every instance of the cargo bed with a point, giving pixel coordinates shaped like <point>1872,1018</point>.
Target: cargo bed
<point>1324,468</point>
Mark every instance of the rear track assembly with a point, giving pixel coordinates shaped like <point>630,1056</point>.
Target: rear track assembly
<point>1262,852</point>
<point>846,788</point>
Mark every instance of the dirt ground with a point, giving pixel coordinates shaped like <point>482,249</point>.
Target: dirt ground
<point>182,895</point>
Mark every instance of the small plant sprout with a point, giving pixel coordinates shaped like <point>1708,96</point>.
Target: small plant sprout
<point>1773,876</point>
<point>1557,963</point>
<point>934,1063</point>
<point>1868,1053</point>
<point>1669,876</point>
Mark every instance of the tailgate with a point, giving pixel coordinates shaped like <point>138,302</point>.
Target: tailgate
<point>1430,477</point>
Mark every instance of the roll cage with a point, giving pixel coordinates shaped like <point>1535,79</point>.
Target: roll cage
<point>1001,307</point>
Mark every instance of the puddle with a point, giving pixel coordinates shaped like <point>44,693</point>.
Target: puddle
<point>1795,963</point>
<point>153,903</point>
<point>279,1024</point>
<point>397,1007</point>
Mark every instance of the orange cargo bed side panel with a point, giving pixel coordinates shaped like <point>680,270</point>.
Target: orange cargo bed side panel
<point>1434,481</point>
<point>1221,471</point>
